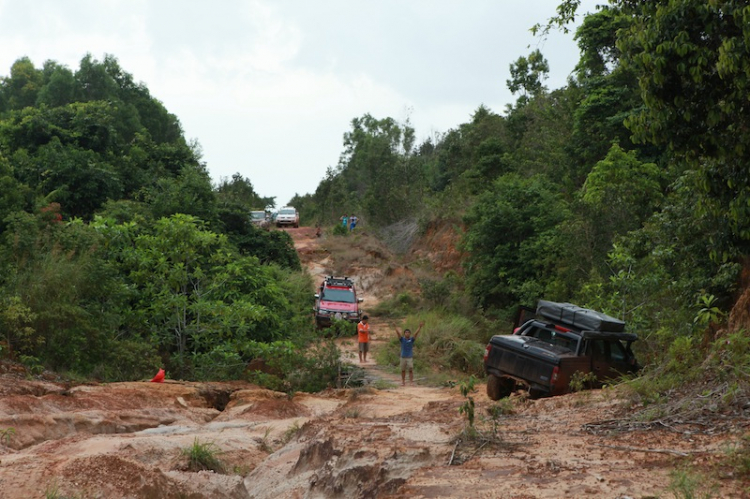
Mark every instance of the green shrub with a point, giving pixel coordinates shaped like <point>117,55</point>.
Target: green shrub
<point>305,369</point>
<point>398,306</point>
<point>340,230</point>
<point>223,362</point>
<point>342,328</point>
<point>32,364</point>
<point>128,360</point>
<point>580,381</point>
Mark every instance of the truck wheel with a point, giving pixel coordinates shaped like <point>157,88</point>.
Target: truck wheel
<point>498,387</point>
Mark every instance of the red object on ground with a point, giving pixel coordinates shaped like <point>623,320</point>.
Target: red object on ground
<point>159,377</point>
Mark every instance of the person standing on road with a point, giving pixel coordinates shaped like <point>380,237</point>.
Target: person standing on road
<point>407,352</point>
<point>363,334</point>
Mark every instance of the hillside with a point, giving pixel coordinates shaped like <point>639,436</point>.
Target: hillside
<point>125,440</point>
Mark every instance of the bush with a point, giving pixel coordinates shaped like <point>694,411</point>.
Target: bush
<point>307,369</point>
<point>128,360</point>
<point>223,362</point>
<point>342,329</point>
<point>340,230</point>
<point>397,306</point>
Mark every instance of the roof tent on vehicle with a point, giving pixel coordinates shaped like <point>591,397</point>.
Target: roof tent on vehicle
<point>580,318</point>
<point>344,282</point>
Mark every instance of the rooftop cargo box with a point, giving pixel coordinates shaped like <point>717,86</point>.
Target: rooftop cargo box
<point>577,317</point>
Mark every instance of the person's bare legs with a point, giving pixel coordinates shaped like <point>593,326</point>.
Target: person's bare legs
<point>411,376</point>
<point>403,378</point>
<point>360,356</point>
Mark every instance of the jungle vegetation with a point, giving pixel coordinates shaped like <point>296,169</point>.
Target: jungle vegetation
<point>627,190</point>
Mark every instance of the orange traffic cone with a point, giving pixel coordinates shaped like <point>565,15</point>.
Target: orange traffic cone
<point>159,377</point>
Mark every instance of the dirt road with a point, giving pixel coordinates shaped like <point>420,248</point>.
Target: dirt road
<point>125,440</point>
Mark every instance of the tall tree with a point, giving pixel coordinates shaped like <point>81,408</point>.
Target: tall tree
<point>20,90</point>
<point>692,59</point>
<point>527,75</point>
<point>512,242</point>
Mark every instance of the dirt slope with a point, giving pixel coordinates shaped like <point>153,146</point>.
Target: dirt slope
<point>124,440</point>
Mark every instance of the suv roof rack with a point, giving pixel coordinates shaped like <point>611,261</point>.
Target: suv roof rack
<point>339,281</point>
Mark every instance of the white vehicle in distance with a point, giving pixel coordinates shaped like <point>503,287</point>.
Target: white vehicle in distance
<point>287,215</point>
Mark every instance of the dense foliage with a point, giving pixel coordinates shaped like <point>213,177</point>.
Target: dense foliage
<point>626,190</point>
<point>118,255</point>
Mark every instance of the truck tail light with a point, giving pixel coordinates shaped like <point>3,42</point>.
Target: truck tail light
<point>555,374</point>
<point>486,352</point>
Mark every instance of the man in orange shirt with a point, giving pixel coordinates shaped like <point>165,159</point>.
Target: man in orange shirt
<point>363,333</point>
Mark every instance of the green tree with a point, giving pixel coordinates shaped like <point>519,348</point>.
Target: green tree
<point>76,178</point>
<point>622,191</point>
<point>190,193</point>
<point>194,292</point>
<point>692,60</point>
<point>20,90</point>
<point>527,75</point>
<point>69,298</point>
<point>60,87</point>
<point>512,241</point>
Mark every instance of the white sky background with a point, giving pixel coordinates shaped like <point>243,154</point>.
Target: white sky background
<point>269,87</point>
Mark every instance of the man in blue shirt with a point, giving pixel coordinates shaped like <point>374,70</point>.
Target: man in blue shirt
<point>407,352</point>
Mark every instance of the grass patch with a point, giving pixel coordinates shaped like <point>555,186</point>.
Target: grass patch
<point>290,433</point>
<point>353,413</point>
<point>447,341</point>
<point>6,434</point>
<point>264,442</point>
<point>53,492</point>
<point>382,384</point>
<point>686,483</point>
<point>203,456</point>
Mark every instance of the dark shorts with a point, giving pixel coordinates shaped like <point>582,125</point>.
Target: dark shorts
<point>364,347</point>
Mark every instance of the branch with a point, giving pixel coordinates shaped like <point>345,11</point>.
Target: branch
<point>635,449</point>
<point>450,461</point>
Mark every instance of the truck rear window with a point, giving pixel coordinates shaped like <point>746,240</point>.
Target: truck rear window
<point>553,338</point>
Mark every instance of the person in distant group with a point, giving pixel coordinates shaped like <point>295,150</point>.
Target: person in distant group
<point>363,337</point>
<point>407,352</point>
<point>344,219</point>
<point>352,222</point>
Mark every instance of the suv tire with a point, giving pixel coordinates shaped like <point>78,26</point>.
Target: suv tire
<point>499,387</point>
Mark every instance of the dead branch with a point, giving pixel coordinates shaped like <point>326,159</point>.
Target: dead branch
<point>453,454</point>
<point>635,449</point>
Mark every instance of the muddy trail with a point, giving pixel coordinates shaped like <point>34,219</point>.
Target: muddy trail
<point>127,440</point>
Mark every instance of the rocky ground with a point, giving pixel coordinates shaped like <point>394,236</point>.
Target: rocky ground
<point>126,440</point>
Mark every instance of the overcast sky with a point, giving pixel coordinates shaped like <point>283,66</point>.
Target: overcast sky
<point>269,87</point>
